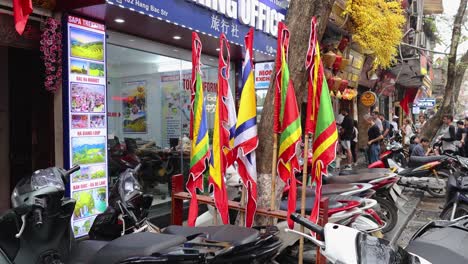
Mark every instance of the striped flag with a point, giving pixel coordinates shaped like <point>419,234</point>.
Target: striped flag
<point>287,120</point>
<point>223,133</point>
<point>199,153</point>
<point>246,140</point>
<point>320,118</point>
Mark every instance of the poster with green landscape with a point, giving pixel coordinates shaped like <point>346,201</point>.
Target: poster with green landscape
<point>88,150</point>
<point>86,44</point>
<point>89,202</point>
<point>96,69</point>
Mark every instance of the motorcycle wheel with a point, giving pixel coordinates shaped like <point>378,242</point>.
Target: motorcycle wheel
<point>462,210</point>
<point>437,193</point>
<point>388,213</point>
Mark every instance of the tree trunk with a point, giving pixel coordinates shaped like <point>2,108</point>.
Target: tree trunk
<point>459,74</point>
<point>433,124</point>
<point>298,19</point>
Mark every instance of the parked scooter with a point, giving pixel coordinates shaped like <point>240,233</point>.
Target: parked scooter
<point>127,210</point>
<point>456,203</point>
<point>386,191</point>
<point>392,156</point>
<point>425,173</point>
<point>436,242</point>
<point>349,205</point>
<point>45,236</point>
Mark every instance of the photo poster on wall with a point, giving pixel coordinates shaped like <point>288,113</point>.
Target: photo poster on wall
<point>176,103</point>
<point>134,107</point>
<point>263,73</point>
<point>87,126</point>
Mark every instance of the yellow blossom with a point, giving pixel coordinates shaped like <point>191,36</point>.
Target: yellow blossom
<point>377,26</point>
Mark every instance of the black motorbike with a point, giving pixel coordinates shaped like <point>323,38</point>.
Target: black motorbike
<point>38,230</point>
<point>456,203</point>
<point>426,173</point>
<point>127,210</point>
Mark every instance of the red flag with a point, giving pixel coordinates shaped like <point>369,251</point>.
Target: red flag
<point>315,79</point>
<point>246,140</point>
<point>21,11</point>
<point>410,94</point>
<point>320,119</point>
<point>199,152</point>
<point>288,121</point>
<point>224,123</point>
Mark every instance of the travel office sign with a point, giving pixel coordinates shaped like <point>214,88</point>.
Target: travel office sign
<point>87,123</point>
<point>213,17</point>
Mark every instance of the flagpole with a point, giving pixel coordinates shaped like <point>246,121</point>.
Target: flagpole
<point>273,174</point>
<point>242,202</point>
<point>303,194</point>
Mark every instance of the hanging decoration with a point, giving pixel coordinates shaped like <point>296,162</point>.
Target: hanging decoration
<point>51,48</point>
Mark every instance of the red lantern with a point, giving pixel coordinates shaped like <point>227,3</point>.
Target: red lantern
<point>337,63</point>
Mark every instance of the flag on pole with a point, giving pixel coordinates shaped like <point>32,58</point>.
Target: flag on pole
<point>223,132</point>
<point>320,119</point>
<point>199,153</point>
<point>21,11</point>
<point>287,120</point>
<point>246,140</point>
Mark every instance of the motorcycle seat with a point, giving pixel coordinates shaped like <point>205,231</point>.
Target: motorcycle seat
<point>235,235</point>
<point>135,245</point>
<point>84,251</point>
<point>365,170</point>
<point>444,245</point>
<point>356,178</point>
<point>309,204</point>
<point>416,161</point>
<point>330,189</point>
<point>406,172</point>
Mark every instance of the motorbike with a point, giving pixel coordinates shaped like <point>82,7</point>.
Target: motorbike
<point>38,230</point>
<point>456,202</point>
<point>428,173</point>
<point>349,205</point>
<point>436,242</point>
<point>392,156</point>
<point>386,191</point>
<point>127,210</point>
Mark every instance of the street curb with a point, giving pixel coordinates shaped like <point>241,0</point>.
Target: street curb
<point>403,221</point>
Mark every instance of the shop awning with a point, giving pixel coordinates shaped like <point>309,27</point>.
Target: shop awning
<point>144,24</point>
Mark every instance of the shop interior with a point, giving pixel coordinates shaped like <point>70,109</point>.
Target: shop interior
<point>149,108</point>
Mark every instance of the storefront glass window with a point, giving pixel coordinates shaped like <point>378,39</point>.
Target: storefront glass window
<point>148,113</point>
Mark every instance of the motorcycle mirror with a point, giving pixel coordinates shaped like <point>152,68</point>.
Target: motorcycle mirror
<point>137,168</point>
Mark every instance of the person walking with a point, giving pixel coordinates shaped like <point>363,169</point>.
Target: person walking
<point>347,136</point>
<point>407,131</point>
<point>374,136</point>
<point>421,122</point>
<point>377,121</point>
<point>460,137</point>
<point>385,126</point>
<point>464,143</point>
<point>448,135</point>
<point>354,142</point>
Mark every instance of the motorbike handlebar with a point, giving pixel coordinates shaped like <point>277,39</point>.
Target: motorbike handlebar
<point>72,170</point>
<point>37,217</point>
<point>67,173</point>
<point>308,224</point>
